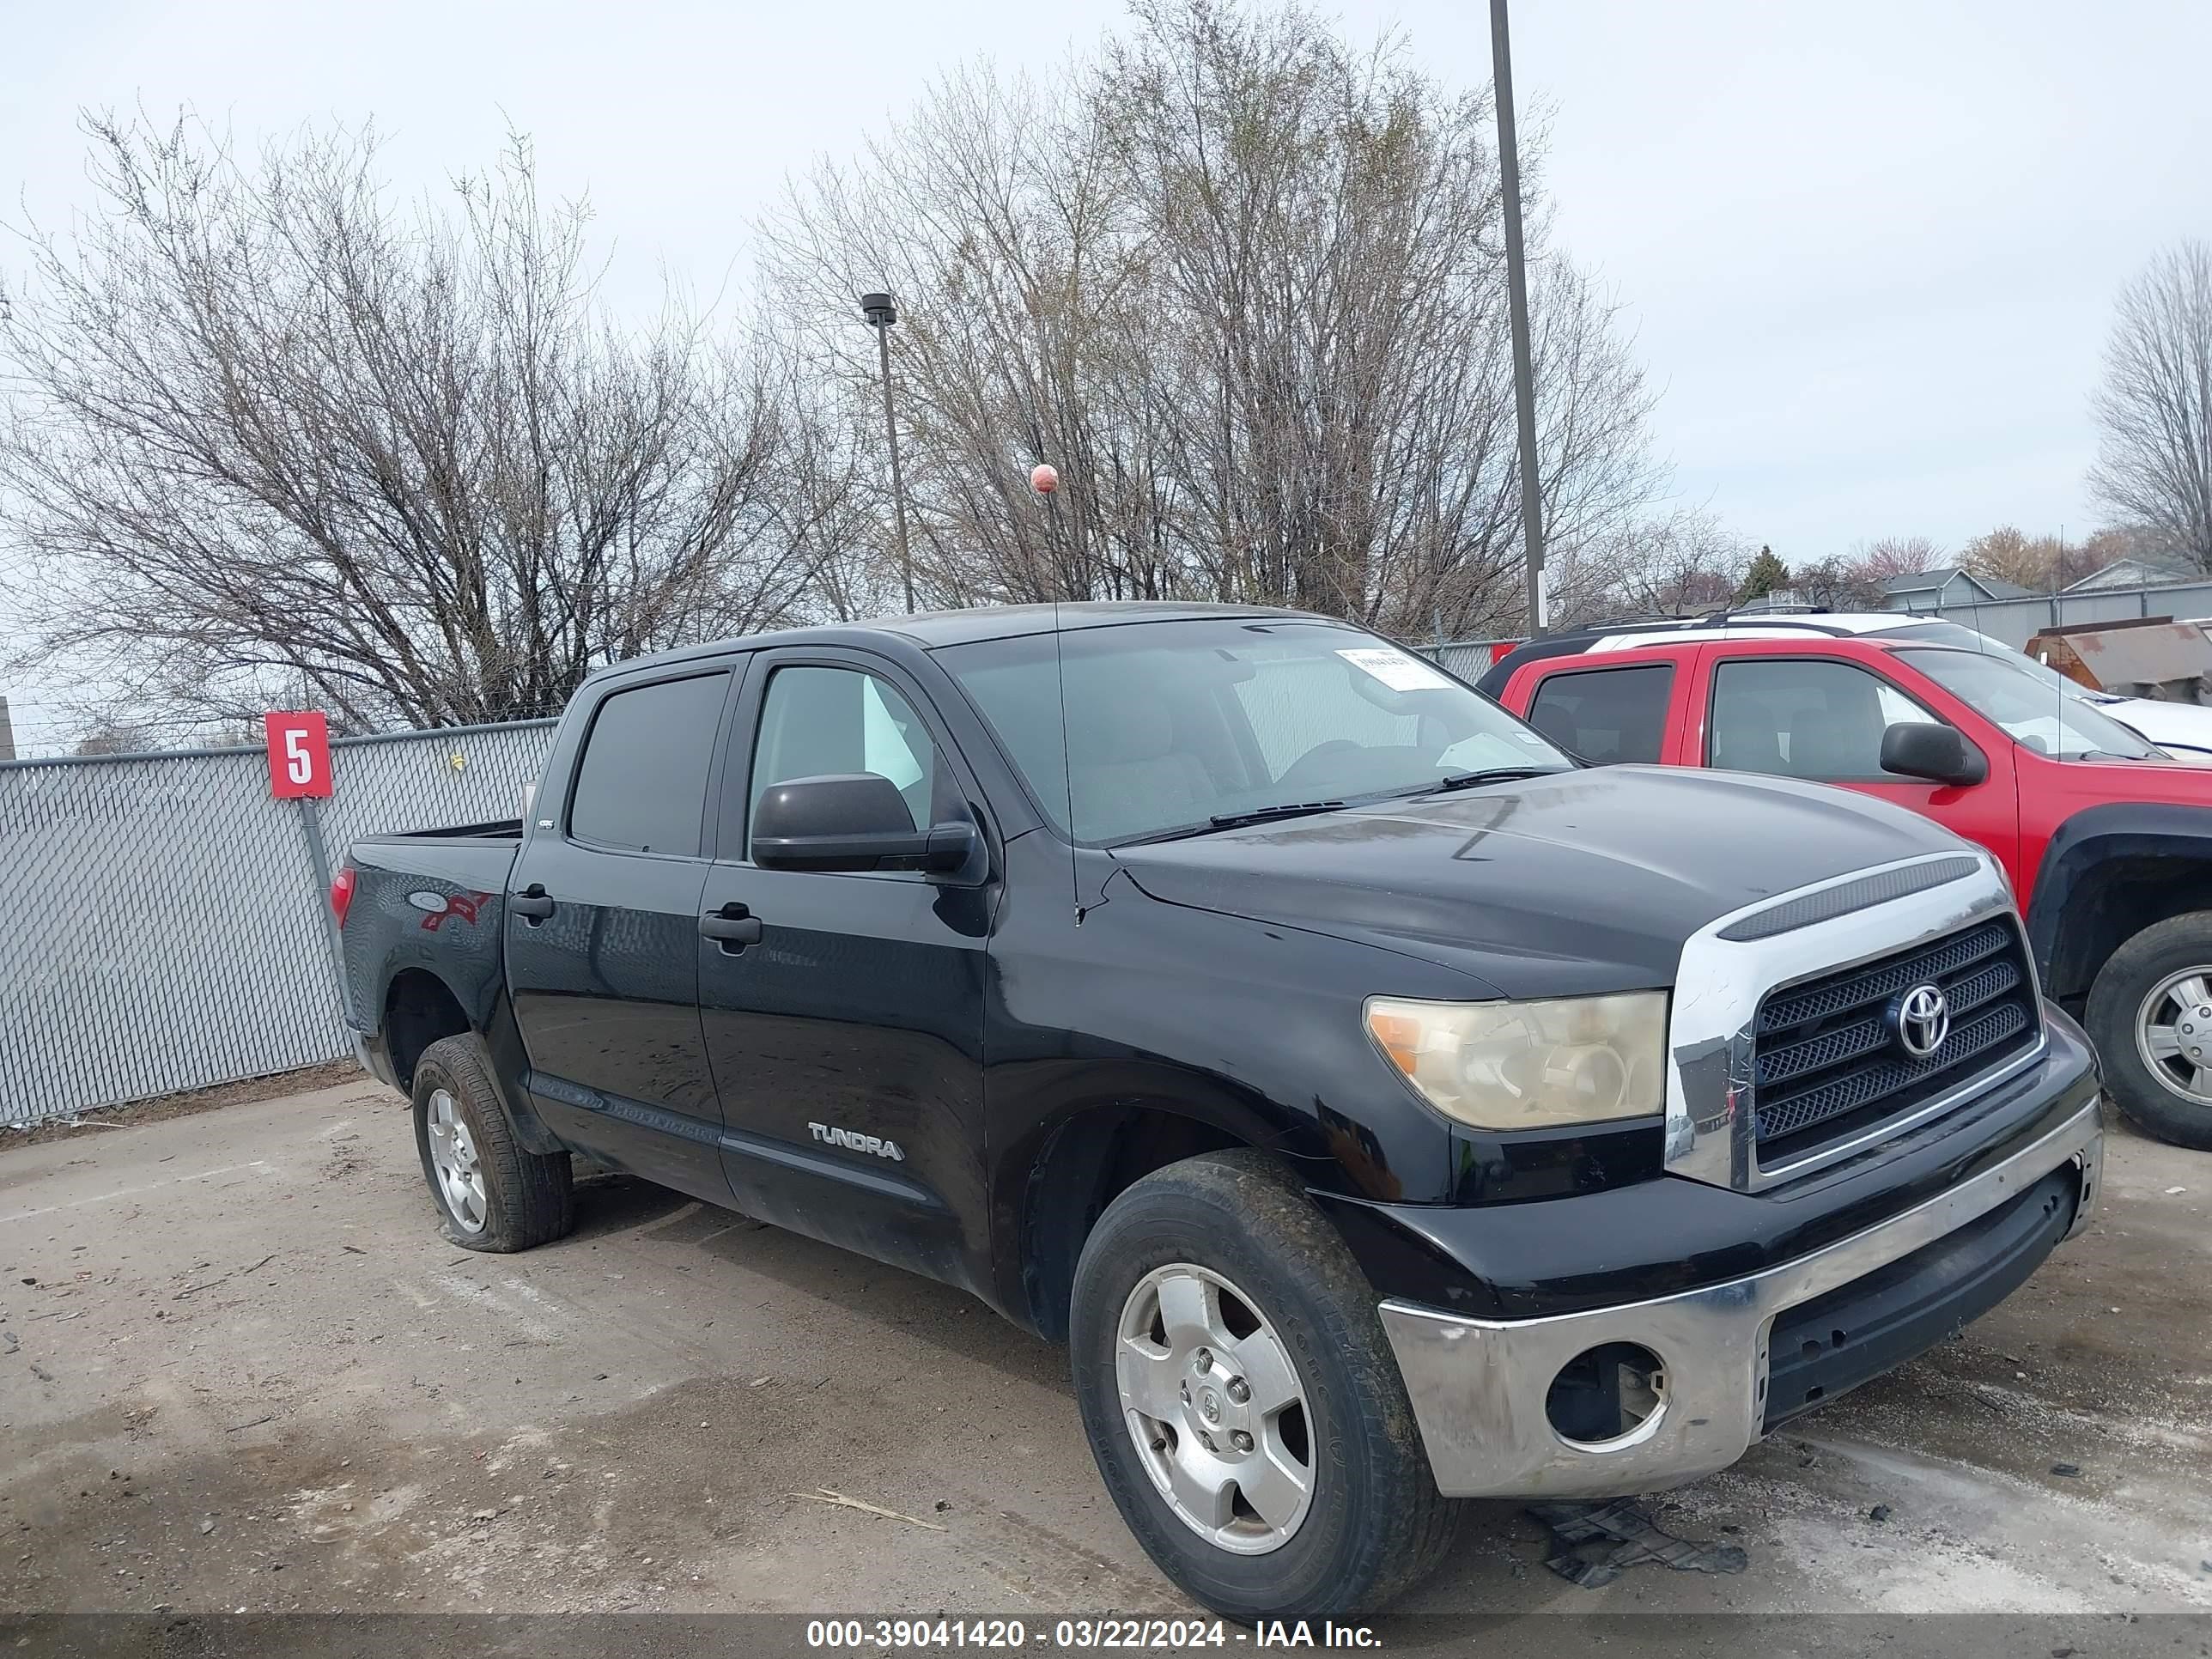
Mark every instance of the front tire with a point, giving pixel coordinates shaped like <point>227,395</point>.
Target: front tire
<point>1242,1402</point>
<point>491,1194</point>
<point>2150,1018</point>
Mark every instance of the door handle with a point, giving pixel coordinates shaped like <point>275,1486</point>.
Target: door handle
<point>734,924</point>
<point>533,904</point>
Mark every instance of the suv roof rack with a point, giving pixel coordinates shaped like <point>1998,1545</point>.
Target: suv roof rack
<point>1808,614</point>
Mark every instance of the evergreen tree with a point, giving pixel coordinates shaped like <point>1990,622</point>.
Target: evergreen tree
<point>1766,574</point>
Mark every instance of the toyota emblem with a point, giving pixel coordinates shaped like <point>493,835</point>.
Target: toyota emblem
<point>1921,1018</point>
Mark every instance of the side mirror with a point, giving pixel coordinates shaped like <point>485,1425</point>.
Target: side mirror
<point>1925,749</point>
<point>852,821</point>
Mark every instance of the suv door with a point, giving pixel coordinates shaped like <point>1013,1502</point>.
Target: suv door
<point>1819,716</point>
<point>603,931</point>
<point>843,1011</point>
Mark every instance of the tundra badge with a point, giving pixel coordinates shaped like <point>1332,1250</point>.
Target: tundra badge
<point>853,1141</point>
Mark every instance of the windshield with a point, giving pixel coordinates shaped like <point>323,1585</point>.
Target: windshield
<point>1940,633</point>
<point>2028,700</point>
<point>1946,633</point>
<point>1172,725</point>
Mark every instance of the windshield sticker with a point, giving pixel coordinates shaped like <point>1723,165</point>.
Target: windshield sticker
<point>1396,669</point>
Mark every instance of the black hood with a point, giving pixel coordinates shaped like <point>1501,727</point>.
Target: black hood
<point>1581,882</point>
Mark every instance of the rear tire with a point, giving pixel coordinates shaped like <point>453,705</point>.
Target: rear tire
<point>2143,1016</point>
<point>491,1194</point>
<point>1209,1294</point>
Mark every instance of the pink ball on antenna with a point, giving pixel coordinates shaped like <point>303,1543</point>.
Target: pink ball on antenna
<point>1044,479</point>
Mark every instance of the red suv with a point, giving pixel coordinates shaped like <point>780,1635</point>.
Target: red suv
<point>2107,840</point>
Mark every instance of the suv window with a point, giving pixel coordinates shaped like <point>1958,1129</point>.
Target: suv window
<point>1805,718</point>
<point>819,722</point>
<point>641,784</point>
<point>1606,714</point>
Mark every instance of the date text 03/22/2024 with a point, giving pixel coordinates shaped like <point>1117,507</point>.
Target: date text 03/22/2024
<point>1157,1634</point>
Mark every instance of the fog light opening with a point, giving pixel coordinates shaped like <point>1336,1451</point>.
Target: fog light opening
<point>1607,1395</point>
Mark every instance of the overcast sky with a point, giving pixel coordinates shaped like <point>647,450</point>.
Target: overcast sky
<point>1868,252</point>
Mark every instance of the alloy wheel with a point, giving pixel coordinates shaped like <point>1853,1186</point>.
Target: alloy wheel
<point>1216,1408</point>
<point>453,1157</point>
<point>2174,1033</point>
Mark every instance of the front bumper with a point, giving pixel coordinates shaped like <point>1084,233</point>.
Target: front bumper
<point>1479,1386</point>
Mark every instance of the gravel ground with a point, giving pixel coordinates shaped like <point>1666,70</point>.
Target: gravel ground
<point>239,1372</point>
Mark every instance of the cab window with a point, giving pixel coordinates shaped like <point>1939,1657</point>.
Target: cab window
<point>1605,715</point>
<point>1803,717</point>
<point>642,783</point>
<point>816,722</point>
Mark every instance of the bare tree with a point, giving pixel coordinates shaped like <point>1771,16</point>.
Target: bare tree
<point>271,429</point>
<point>1894,556</point>
<point>2154,408</point>
<point>2010,555</point>
<point>1683,563</point>
<point>1244,287</point>
<point>1846,583</point>
<point>117,740</point>
<point>989,215</point>
<point>2121,541</point>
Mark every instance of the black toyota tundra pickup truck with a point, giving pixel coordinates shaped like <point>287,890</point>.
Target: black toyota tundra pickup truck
<point>1386,1109</point>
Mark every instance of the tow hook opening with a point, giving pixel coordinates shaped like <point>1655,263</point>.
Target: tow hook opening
<point>1606,1394</point>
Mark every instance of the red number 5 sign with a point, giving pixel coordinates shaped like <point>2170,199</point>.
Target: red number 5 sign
<point>298,754</point>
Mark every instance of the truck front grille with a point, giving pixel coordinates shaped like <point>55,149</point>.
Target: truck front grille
<point>1827,1064</point>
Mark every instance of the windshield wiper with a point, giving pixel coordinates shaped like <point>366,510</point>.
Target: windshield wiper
<point>1492,775</point>
<point>1268,814</point>
<point>1236,821</point>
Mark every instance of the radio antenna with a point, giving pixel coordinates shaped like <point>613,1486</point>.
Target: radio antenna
<point>1044,478</point>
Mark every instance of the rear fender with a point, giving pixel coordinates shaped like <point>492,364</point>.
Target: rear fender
<point>528,1129</point>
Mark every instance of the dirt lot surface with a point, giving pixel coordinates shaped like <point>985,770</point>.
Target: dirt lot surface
<point>240,1371</point>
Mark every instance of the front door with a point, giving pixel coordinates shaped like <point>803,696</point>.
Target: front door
<point>603,935</point>
<point>846,1035</point>
<point>1822,719</point>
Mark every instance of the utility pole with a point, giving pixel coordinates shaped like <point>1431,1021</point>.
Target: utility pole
<point>881,314</point>
<point>1517,293</point>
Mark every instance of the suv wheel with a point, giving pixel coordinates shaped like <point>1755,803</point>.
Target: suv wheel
<point>1241,1400</point>
<point>2150,1018</point>
<point>491,1194</point>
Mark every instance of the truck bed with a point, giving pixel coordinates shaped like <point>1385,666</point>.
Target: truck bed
<point>430,902</point>
<point>493,830</point>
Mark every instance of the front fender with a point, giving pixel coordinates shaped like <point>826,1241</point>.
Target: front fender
<point>2064,919</point>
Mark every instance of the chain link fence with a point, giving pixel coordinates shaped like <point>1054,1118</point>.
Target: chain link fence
<point>1468,658</point>
<point>161,925</point>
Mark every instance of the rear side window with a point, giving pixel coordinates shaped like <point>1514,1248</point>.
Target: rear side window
<point>1605,715</point>
<point>641,784</point>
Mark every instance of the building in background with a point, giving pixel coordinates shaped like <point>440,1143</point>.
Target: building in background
<point>1931,590</point>
<point>7,732</point>
<point>2139,570</point>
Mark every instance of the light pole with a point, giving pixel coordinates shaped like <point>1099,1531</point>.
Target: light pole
<point>1516,297</point>
<point>881,314</point>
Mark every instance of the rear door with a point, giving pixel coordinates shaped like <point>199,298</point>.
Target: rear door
<point>845,1030</point>
<point>603,931</point>
<point>1820,715</point>
<point>1610,711</point>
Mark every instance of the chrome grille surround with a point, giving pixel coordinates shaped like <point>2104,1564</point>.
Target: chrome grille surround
<point>1721,983</point>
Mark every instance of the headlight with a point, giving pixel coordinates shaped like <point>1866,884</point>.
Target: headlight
<point>1530,1065</point>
